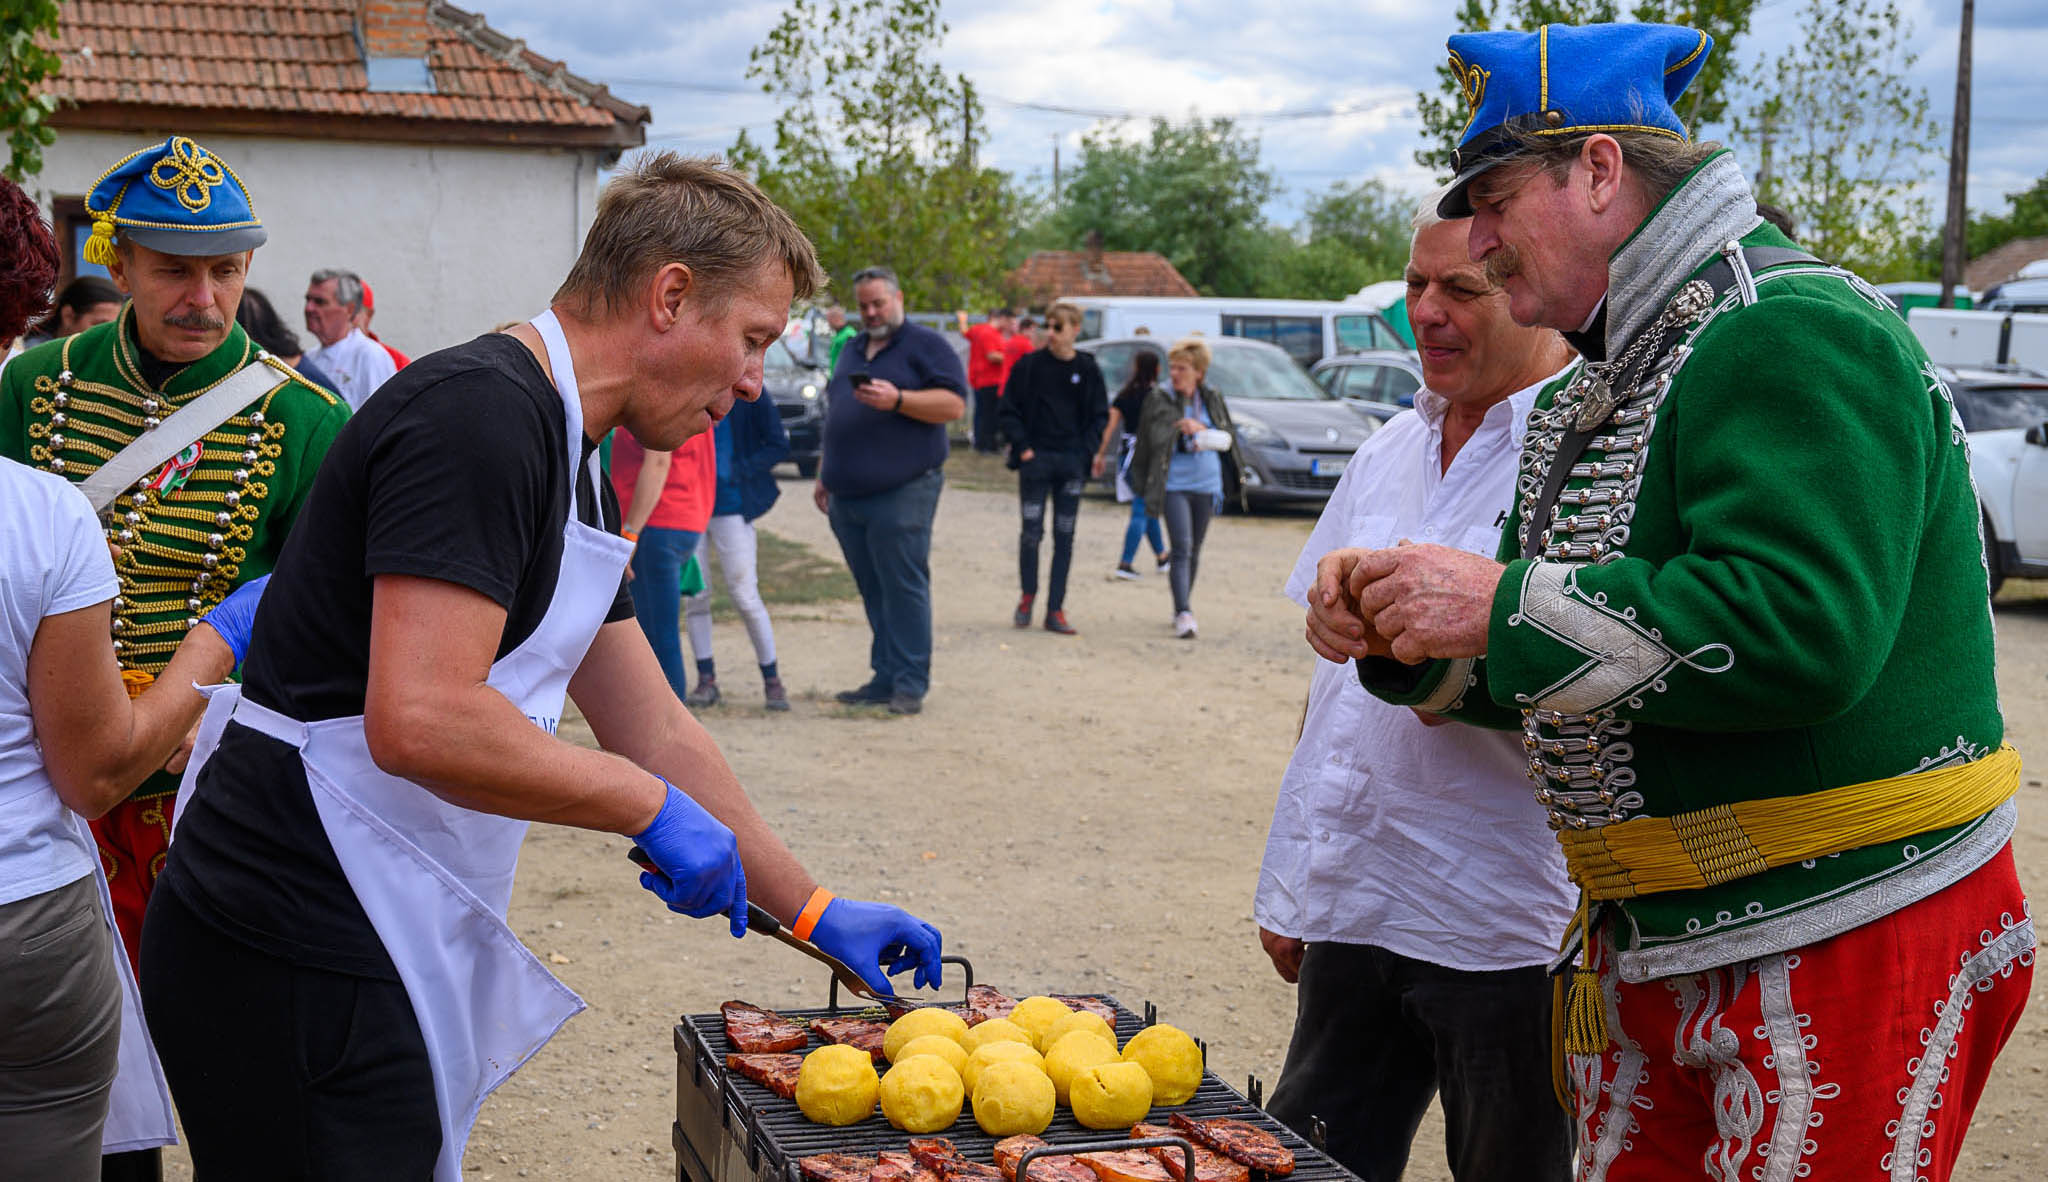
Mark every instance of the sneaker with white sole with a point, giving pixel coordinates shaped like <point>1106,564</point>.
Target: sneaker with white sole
<point>1124,572</point>
<point>1186,626</point>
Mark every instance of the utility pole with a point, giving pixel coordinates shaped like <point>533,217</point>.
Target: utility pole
<point>1953,268</point>
<point>968,124</point>
<point>1057,139</point>
<point>1763,180</point>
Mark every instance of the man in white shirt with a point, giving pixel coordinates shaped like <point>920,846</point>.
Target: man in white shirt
<point>1411,889</point>
<point>358,364</point>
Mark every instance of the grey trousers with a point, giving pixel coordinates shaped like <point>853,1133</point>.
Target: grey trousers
<point>1188,515</point>
<point>60,1031</point>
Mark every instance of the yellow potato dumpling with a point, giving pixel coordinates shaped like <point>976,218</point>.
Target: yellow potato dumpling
<point>998,1052</point>
<point>1171,1059</point>
<point>1034,1015</point>
<point>938,1045</point>
<point>1070,1054</point>
<point>921,1094</point>
<point>1012,1098</point>
<point>996,1030</point>
<point>1110,1095</point>
<point>1080,1020</point>
<point>837,1085</point>
<point>919,1022</point>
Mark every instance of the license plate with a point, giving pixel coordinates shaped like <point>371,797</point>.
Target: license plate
<point>1328,467</point>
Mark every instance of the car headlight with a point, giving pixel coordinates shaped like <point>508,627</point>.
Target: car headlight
<point>809,391</point>
<point>1254,431</point>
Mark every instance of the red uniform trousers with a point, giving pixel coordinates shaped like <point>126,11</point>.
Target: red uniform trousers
<point>133,837</point>
<point>1860,1056</point>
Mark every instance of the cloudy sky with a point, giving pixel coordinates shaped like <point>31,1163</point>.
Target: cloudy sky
<point>1364,60</point>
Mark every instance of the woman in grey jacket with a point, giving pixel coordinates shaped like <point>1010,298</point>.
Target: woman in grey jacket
<point>1182,482</point>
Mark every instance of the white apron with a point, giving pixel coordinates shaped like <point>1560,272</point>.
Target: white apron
<point>435,878</point>
<point>139,1111</point>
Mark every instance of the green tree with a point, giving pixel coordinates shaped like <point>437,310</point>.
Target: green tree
<point>1843,142</point>
<point>1192,191</point>
<point>874,151</point>
<point>1369,220</point>
<point>24,66</point>
<point>2025,219</point>
<point>1445,113</point>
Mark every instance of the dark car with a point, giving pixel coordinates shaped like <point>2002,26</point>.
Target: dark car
<point>1379,383</point>
<point>796,388</point>
<point>1295,438</point>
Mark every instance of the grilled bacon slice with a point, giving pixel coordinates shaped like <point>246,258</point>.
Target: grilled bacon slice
<point>757,1031</point>
<point>1211,1167</point>
<point>985,1003</point>
<point>778,1073</point>
<point>836,1167</point>
<point>933,1152</point>
<point>1045,1169</point>
<point>1089,1005</point>
<point>896,1166</point>
<point>854,1032</point>
<point>1126,1165</point>
<point>1251,1146</point>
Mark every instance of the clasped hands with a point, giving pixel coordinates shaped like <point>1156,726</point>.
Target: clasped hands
<point>1409,602</point>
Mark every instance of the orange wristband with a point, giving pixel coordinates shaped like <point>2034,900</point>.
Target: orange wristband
<point>632,535</point>
<point>808,918</point>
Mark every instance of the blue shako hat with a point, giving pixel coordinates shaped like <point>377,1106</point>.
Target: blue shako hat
<point>1565,80</point>
<point>175,197</point>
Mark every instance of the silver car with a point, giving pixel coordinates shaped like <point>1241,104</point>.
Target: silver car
<point>1295,438</point>
<point>1379,383</point>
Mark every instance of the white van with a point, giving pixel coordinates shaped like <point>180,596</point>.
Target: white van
<point>1308,330</point>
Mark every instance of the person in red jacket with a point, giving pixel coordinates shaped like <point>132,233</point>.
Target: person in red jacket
<point>989,363</point>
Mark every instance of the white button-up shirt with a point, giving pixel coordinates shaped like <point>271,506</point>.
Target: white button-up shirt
<point>1422,840</point>
<point>358,364</point>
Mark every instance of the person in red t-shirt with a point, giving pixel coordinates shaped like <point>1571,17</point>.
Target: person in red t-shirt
<point>988,364</point>
<point>668,498</point>
<point>1017,345</point>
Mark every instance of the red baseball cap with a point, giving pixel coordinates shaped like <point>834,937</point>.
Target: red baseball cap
<point>370,303</point>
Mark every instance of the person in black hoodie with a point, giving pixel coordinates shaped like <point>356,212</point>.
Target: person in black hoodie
<point>1053,413</point>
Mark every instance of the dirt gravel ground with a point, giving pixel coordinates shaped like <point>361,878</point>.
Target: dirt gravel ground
<point>1081,814</point>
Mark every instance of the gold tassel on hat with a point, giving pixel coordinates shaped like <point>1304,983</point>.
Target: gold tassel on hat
<point>1585,1033</point>
<point>99,249</point>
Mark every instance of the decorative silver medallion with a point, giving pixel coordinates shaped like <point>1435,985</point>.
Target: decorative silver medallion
<point>1598,402</point>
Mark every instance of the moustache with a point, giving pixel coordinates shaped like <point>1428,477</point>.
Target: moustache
<point>197,321</point>
<point>1501,264</point>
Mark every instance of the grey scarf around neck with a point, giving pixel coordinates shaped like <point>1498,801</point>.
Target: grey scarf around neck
<point>1713,207</point>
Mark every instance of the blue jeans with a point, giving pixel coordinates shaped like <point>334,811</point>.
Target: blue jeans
<point>1141,523</point>
<point>885,538</point>
<point>658,585</point>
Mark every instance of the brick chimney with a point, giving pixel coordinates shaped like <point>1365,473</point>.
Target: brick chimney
<point>393,28</point>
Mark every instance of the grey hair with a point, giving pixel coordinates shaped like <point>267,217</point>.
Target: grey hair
<point>885,274</point>
<point>1426,215</point>
<point>348,287</point>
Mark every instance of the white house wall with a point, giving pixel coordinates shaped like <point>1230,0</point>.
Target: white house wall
<point>454,239</point>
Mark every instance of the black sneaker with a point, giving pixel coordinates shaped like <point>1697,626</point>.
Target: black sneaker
<point>773,696</point>
<point>905,704</point>
<point>1022,616</point>
<point>866,695</point>
<point>705,693</point>
<point>1059,622</point>
<point>1162,562</point>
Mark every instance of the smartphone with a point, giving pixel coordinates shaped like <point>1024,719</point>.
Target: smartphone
<point>858,378</point>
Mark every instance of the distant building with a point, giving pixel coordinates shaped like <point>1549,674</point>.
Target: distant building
<point>2004,262</point>
<point>405,140</point>
<point>1096,271</point>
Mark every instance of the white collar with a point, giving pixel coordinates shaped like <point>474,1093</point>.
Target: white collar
<point>1432,405</point>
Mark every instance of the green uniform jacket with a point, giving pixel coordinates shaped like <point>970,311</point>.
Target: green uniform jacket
<point>209,519</point>
<point>1155,441</point>
<point>1764,579</point>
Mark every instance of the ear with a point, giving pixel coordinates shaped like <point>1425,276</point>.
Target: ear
<point>118,271</point>
<point>668,294</point>
<point>1604,161</point>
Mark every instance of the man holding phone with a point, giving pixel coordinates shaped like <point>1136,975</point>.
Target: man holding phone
<point>893,392</point>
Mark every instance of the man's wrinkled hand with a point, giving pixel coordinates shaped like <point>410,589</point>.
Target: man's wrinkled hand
<point>1334,626</point>
<point>1285,952</point>
<point>1432,602</point>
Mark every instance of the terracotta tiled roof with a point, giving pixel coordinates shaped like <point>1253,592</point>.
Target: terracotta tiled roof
<point>1051,273</point>
<point>232,63</point>
<point>2003,262</point>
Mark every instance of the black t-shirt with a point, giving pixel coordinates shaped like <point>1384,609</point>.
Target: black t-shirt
<point>458,469</point>
<point>1128,404</point>
<point>1054,405</point>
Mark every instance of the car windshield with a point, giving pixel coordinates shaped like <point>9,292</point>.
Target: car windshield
<point>779,357</point>
<point>1261,373</point>
<point>1992,408</point>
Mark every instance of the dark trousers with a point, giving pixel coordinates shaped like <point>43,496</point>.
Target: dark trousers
<point>983,425</point>
<point>1188,515</point>
<point>1059,473</point>
<point>885,538</point>
<point>281,1071</point>
<point>657,589</point>
<point>1378,1033</point>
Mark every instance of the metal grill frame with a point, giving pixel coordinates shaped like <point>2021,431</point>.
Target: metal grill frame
<point>731,1129</point>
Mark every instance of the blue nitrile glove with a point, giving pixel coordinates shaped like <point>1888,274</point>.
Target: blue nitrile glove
<point>698,865</point>
<point>864,936</point>
<point>234,616</point>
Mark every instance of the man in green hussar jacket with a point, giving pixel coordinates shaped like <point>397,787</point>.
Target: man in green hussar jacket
<point>1740,616</point>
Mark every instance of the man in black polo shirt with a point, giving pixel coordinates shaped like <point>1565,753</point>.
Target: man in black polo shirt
<point>892,395</point>
<point>1053,412</point>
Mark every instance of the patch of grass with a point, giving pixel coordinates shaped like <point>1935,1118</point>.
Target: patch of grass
<point>788,573</point>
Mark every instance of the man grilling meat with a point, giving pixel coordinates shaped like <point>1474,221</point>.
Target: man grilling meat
<point>1410,889</point>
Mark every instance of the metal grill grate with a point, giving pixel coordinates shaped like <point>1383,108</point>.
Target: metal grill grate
<point>731,1129</point>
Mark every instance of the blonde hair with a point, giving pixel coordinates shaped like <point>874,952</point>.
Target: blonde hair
<point>666,208</point>
<point>1193,353</point>
<point>1065,312</point>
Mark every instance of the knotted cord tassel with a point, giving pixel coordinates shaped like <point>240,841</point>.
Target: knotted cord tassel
<point>1585,1032</point>
<point>99,248</point>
